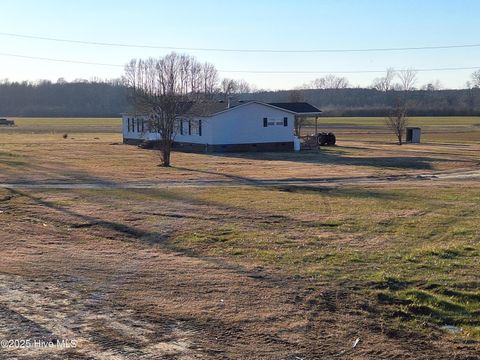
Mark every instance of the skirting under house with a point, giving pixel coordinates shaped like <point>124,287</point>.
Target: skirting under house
<point>219,148</point>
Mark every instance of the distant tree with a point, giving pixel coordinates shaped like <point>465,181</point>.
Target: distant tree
<point>296,95</point>
<point>165,90</point>
<point>227,87</point>
<point>432,86</point>
<point>384,83</point>
<point>397,120</point>
<point>408,78</point>
<point>231,86</point>
<point>209,77</point>
<point>476,79</point>
<point>243,87</point>
<point>329,82</point>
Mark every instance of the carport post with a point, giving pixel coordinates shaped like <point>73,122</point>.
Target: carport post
<point>316,125</point>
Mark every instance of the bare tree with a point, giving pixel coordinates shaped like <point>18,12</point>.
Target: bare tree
<point>227,87</point>
<point>476,79</point>
<point>408,78</point>
<point>432,86</point>
<point>329,82</point>
<point>397,120</point>
<point>243,87</point>
<point>210,79</point>
<point>231,86</point>
<point>384,83</point>
<point>166,89</point>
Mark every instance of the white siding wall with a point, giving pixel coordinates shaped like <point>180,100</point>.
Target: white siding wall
<point>135,132</point>
<point>195,138</point>
<point>240,125</point>
<point>244,125</point>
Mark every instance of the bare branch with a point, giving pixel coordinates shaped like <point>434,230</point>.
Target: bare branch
<point>385,83</point>
<point>407,78</point>
<point>329,82</point>
<point>476,78</point>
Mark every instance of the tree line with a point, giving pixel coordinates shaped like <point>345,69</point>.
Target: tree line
<point>79,98</point>
<point>372,102</point>
<point>334,95</point>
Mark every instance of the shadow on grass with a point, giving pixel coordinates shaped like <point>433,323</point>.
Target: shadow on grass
<point>87,220</point>
<point>330,158</point>
<point>359,193</point>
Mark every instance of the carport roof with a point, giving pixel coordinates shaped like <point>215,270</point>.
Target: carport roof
<point>302,108</point>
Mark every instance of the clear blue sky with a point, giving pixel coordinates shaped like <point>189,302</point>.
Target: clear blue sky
<point>295,24</point>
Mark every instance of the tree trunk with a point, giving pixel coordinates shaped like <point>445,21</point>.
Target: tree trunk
<point>400,139</point>
<point>165,153</point>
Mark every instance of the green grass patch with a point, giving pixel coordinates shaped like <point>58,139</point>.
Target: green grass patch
<point>441,306</point>
<point>41,122</point>
<point>414,121</point>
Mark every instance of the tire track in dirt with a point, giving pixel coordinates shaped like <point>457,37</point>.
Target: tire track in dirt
<point>43,311</point>
<point>446,176</point>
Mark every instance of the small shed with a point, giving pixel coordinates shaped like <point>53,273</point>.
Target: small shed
<point>413,135</point>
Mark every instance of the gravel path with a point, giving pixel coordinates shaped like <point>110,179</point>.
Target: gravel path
<point>456,176</point>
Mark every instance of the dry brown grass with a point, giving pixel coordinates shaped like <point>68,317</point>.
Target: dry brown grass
<point>100,157</point>
<point>233,273</point>
<point>97,267</point>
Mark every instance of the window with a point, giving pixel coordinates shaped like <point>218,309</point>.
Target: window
<point>285,121</point>
<point>133,124</point>
<point>138,125</point>
<point>199,127</point>
<point>143,125</point>
<point>128,124</point>
<point>189,127</point>
<point>181,126</point>
<point>265,122</point>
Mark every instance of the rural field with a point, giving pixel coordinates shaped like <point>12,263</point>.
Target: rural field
<point>365,250</point>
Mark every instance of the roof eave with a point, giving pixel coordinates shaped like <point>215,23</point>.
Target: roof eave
<point>310,113</point>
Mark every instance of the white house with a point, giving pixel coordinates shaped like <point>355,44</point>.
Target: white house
<point>216,127</point>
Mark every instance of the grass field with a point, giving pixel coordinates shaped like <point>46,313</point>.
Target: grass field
<point>450,121</point>
<point>357,121</point>
<point>290,271</point>
<point>52,122</point>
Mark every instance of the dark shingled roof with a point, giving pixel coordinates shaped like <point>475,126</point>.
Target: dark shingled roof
<point>207,108</point>
<point>211,107</point>
<point>298,107</point>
